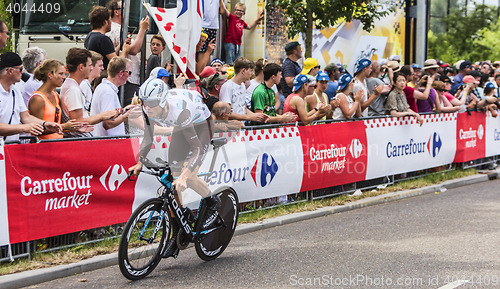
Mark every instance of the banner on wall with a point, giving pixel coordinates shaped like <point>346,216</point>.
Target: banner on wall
<point>398,145</point>
<point>492,136</point>
<point>471,144</point>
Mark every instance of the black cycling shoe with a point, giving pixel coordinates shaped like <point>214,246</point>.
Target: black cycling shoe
<point>172,249</point>
<point>213,205</point>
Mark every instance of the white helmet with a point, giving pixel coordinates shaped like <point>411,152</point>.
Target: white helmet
<point>152,89</point>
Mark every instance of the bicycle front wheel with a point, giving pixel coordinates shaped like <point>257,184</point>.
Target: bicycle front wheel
<point>143,239</point>
<point>213,244</point>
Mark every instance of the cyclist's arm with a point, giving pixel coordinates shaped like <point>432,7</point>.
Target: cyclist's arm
<point>147,142</point>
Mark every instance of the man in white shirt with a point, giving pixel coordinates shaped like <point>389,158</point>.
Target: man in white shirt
<point>96,68</point>
<point>363,70</point>
<point>234,92</point>
<point>14,116</point>
<point>73,102</point>
<point>32,58</point>
<point>133,82</point>
<point>106,98</point>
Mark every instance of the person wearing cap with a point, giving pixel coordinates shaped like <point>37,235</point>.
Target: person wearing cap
<point>207,71</point>
<point>442,65</point>
<point>157,46</point>
<point>362,71</point>
<point>467,92</point>
<point>234,31</point>
<point>319,96</point>
<point>413,95</point>
<point>464,67</point>
<point>396,104</point>
<point>396,58</point>
<point>234,92</point>
<point>14,115</point>
<point>417,72</point>
<point>332,70</point>
<point>489,100</point>
<point>73,102</point>
<point>289,67</point>
<point>216,64</point>
<point>430,66</point>
<point>449,97</point>
<point>214,84</point>
<point>295,102</point>
<point>349,106</point>
<point>377,108</point>
<point>311,67</point>
<point>264,97</point>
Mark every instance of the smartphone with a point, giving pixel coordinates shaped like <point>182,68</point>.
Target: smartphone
<point>130,34</point>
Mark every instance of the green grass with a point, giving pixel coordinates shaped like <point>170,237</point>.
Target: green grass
<point>110,245</point>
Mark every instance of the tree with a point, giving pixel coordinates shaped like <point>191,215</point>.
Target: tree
<point>303,15</point>
<point>7,17</point>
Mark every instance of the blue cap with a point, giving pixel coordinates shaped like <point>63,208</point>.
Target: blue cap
<point>344,80</point>
<point>489,85</point>
<point>298,81</point>
<point>322,75</point>
<point>362,63</point>
<point>416,66</point>
<point>216,60</point>
<point>162,73</point>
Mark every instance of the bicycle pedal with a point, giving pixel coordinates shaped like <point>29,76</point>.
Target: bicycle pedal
<point>176,253</point>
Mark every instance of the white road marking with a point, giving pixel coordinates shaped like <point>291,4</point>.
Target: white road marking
<point>454,284</point>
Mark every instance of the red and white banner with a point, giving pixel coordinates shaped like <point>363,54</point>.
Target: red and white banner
<point>55,188</point>
<point>470,138</point>
<point>398,145</point>
<point>334,154</point>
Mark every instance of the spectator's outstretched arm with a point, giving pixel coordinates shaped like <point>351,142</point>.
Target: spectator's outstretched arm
<point>48,126</point>
<point>424,95</point>
<point>409,112</point>
<point>222,8</point>
<point>254,23</point>
<point>200,65</point>
<point>136,46</point>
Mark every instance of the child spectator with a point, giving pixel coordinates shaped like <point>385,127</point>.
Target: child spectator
<point>157,46</point>
<point>235,26</point>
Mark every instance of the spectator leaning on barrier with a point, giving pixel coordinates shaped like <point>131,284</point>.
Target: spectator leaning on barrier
<point>32,58</point>
<point>319,97</point>
<point>412,94</point>
<point>377,108</point>
<point>74,104</point>
<point>442,102</point>
<point>45,104</point>
<point>14,116</point>
<point>333,73</point>
<point>295,102</point>
<point>489,100</point>
<point>264,97</point>
<point>157,46</point>
<point>106,98</point>
<point>362,71</point>
<point>396,105</point>
<point>214,85</point>
<point>234,92</point>
<point>452,100</point>
<point>289,67</point>
<point>220,113</point>
<point>348,106</point>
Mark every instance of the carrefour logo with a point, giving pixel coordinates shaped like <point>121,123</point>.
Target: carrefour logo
<point>113,177</point>
<point>413,147</point>
<point>268,167</point>
<point>356,148</point>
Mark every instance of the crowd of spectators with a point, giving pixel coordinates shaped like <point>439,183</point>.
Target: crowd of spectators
<point>46,102</point>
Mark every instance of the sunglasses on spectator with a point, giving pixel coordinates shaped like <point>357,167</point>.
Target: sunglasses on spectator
<point>56,118</point>
<point>318,67</point>
<point>223,72</point>
<point>6,32</point>
<point>313,86</point>
<point>128,71</point>
<point>239,10</point>
<point>442,90</point>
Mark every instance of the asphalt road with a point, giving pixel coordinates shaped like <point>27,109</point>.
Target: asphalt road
<point>421,242</point>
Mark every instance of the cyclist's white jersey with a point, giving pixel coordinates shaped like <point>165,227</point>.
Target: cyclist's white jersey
<point>189,103</point>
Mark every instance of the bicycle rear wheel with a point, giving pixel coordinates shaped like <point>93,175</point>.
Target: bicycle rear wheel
<point>213,244</point>
<point>143,240</point>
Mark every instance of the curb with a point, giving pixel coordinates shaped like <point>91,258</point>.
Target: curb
<point>38,276</point>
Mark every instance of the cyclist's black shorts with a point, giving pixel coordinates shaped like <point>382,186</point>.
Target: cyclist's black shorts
<point>190,144</point>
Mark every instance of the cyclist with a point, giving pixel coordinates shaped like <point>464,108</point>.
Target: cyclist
<point>191,136</point>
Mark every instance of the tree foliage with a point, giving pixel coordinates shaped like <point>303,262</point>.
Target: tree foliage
<point>7,17</point>
<point>303,15</point>
<point>464,37</point>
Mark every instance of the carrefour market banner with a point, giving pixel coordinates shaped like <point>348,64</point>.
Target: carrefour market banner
<point>55,188</point>
<point>398,145</point>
